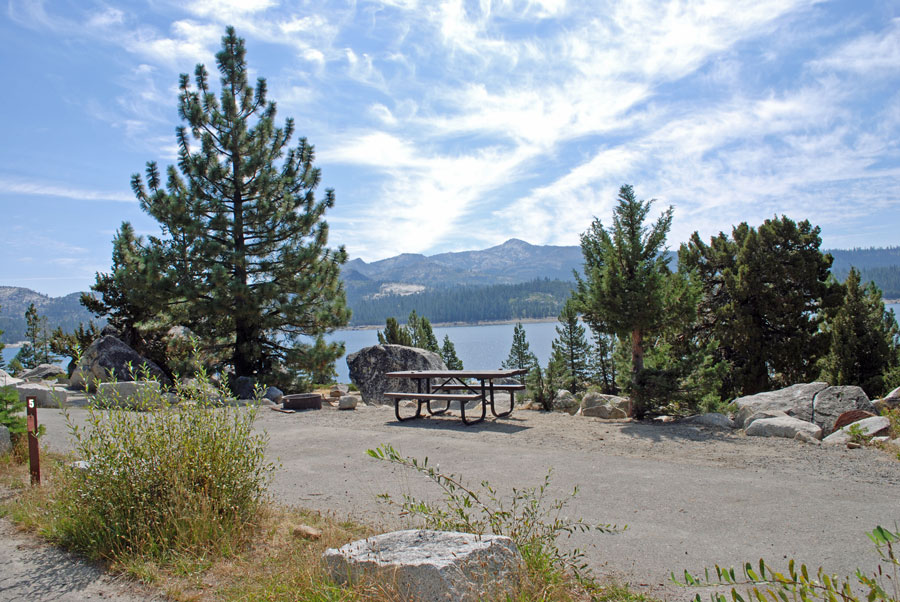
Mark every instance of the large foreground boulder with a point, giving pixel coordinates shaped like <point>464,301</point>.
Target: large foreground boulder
<point>44,395</point>
<point>369,365</point>
<point>783,426</point>
<point>6,379</point>
<point>812,402</point>
<point>711,419</point>
<point>430,565</point>
<point>108,359</point>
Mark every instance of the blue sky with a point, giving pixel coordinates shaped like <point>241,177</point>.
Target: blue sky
<point>448,126</point>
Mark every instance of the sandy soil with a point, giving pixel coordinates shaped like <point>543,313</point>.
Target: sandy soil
<point>690,496</point>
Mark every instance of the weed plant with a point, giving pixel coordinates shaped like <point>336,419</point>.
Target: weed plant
<point>180,477</point>
<point>532,522</point>
<point>762,583</point>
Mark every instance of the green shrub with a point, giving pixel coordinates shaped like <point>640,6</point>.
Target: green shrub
<point>172,480</point>
<point>11,411</point>
<point>763,583</point>
<point>532,523</point>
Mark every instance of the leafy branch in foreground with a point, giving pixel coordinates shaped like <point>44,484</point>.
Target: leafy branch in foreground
<point>764,583</point>
<point>531,522</point>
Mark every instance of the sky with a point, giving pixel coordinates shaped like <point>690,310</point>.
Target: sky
<point>449,126</point>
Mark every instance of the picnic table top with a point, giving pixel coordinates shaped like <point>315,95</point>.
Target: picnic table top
<point>476,374</point>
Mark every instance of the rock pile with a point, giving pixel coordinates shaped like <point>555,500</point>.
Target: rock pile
<point>369,365</point>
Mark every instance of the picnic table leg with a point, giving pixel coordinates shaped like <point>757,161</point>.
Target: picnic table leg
<point>512,401</point>
<point>462,408</point>
<point>428,402</point>
<point>418,413</point>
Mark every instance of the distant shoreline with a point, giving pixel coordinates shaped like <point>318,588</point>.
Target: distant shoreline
<point>459,324</point>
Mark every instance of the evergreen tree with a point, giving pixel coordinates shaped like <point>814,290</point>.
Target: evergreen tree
<point>422,334</point>
<point>36,350</point>
<point>2,346</point>
<point>603,364</point>
<point>863,339</point>
<point>73,344</point>
<point>244,263</point>
<point>764,294</point>
<point>625,276</point>
<point>133,296</point>
<point>448,353</point>
<point>520,355</point>
<point>571,350</point>
<point>394,334</point>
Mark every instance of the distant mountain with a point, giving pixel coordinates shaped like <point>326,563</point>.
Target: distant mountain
<point>512,262</point>
<point>65,312</point>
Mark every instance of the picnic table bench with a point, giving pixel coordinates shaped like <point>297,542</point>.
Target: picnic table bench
<point>455,385</point>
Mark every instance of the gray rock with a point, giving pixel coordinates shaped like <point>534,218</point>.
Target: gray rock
<point>139,394</point>
<point>274,394</point>
<point>895,394</point>
<point>206,392</point>
<point>783,426</point>
<point>763,414</point>
<point>369,365</point>
<point>6,379</point>
<point>713,419</point>
<point>430,566</point>
<point>108,359</point>
<point>806,438</point>
<point>5,441</point>
<point>339,390</point>
<point>795,401</point>
<point>604,406</point>
<point>348,402</point>
<point>244,387</point>
<point>830,403</point>
<point>564,401</point>
<point>45,395</point>
<point>870,427</point>
<point>44,371</point>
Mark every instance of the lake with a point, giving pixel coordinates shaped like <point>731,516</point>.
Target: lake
<point>479,347</point>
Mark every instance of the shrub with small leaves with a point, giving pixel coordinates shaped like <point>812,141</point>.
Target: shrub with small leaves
<point>763,583</point>
<point>532,522</point>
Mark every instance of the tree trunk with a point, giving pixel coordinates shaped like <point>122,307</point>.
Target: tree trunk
<point>637,354</point>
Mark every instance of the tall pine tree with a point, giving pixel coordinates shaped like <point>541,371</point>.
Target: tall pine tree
<point>623,291</point>
<point>520,355</point>
<point>244,261</point>
<point>448,354</point>
<point>571,350</point>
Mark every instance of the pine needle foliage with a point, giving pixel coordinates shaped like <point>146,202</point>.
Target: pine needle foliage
<point>243,261</point>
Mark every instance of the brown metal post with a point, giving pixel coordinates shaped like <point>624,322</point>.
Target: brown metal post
<point>34,456</point>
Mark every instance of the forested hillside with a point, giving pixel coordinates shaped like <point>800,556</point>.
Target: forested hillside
<point>881,266</point>
<point>535,299</point>
<point>65,312</point>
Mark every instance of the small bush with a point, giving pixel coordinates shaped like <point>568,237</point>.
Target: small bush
<point>11,411</point>
<point>763,583</point>
<point>171,480</point>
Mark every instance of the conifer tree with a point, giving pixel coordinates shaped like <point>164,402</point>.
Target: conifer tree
<point>604,365</point>
<point>571,350</point>
<point>863,339</point>
<point>764,295</point>
<point>625,272</point>
<point>394,334</point>
<point>422,334</point>
<point>520,355</point>
<point>448,354</point>
<point>36,350</point>
<point>244,261</point>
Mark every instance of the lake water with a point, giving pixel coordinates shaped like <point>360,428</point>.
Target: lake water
<point>479,347</point>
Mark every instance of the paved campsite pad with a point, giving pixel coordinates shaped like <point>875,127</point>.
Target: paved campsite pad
<point>691,496</point>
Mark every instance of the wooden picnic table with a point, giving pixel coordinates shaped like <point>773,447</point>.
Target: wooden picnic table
<point>455,385</point>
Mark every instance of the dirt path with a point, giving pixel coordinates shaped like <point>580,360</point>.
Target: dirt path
<point>691,496</point>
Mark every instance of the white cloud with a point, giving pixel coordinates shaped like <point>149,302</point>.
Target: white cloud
<point>30,188</point>
<point>870,53</point>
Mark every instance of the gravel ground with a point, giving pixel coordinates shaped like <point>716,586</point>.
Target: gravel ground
<point>690,496</point>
